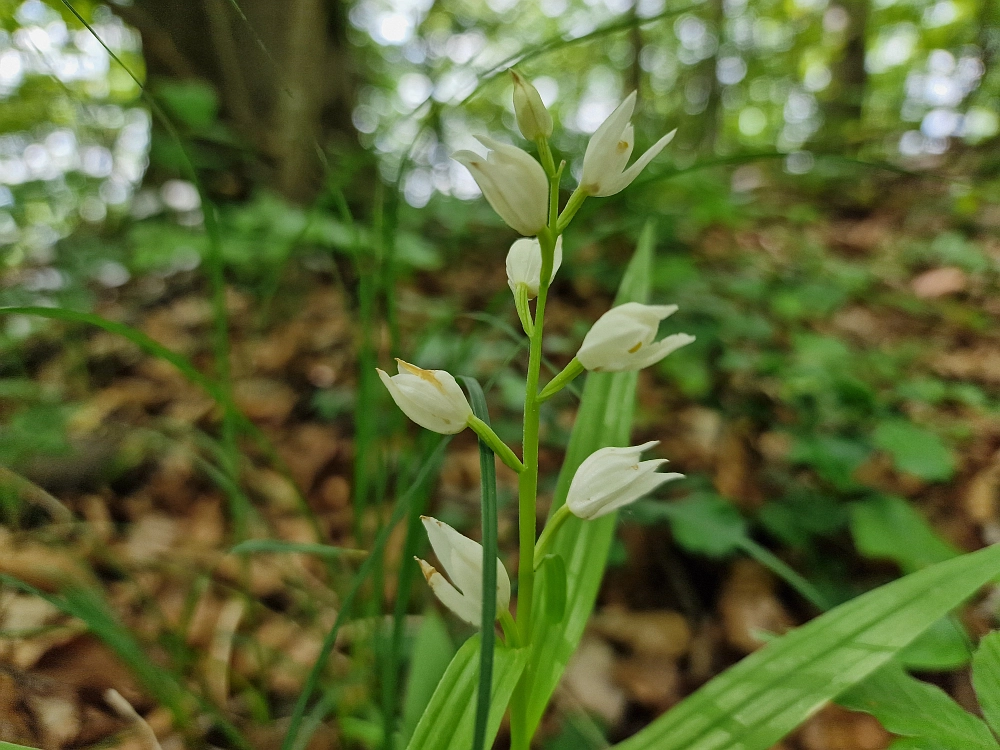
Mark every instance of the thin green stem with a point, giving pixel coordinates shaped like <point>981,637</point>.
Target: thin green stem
<point>509,627</point>
<point>560,381</point>
<point>545,156</point>
<point>528,479</point>
<point>523,308</point>
<point>549,532</point>
<point>497,445</point>
<point>569,211</point>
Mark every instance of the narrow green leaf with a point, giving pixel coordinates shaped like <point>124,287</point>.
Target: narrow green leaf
<point>986,678</point>
<point>432,652</point>
<point>12,746</point>
<point>449,719</point>
<point>907,706</point>
<point>488,493</point>
<point>604,418</point>
<point>555,595</point>
<point>757,702</point>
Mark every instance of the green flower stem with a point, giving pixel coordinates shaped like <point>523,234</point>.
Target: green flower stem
<point>561,380</point>
<point>509,627</point>
<point>545,540</point>
<point>569,211</point>
<point>523,309</point>
<point>545,156</point>
<point>497,445</point>
<point>528,479</point>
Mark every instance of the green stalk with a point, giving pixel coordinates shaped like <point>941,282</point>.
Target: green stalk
<point>560,381</point>
<point>528,478</point>
<point>549,532</point>
<point>491,439</point>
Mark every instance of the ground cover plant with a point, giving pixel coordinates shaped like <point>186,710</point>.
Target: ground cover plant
<point>212,506</point>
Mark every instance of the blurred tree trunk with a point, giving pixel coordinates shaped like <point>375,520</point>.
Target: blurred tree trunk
<point>709,125</point>
<point>843,108</point>
<point>283,73</point>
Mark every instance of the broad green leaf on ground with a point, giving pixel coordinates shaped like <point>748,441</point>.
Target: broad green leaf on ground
<point>889,528</point>
<point>604,418</point>
<point>986,678</point>
<point>910,707</point>
<point>432,652</point>
<point>757,702</point>
<point>943,646</point>
<point>915,450</point>
<point>449,718</point>
<point>703,522</point>
<point>833,458</point>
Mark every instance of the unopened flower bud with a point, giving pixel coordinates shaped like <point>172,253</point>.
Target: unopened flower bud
<point>622,338</point>
<point>609,150</point>
<point>462,560</point>
<point>524,264</point>
<point>611,478</point>
<point>533,118</point>
<point>513,183</point>
<point>431,398</point>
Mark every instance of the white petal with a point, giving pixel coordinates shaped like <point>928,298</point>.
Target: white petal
<point>601,150</point>
<point>653,353</point>
<point>413,406</point>
<point>625,179</point>
<point>637,490</point>
<point>462,559</point>
<point>467,609</point>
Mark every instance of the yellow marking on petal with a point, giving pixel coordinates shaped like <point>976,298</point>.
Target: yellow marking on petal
<point>429,571</point>
<point>622,145</point>
<point>427,375</point>
<point>635,348</point>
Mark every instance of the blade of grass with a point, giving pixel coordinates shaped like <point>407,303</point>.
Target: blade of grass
<point>430,464</point>
<point>488,493</point>
<point>407,573</point>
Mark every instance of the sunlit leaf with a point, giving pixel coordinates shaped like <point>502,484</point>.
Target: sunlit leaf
<point>764,697</point>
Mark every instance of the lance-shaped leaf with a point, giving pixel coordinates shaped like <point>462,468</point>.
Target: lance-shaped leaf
<point>757,702</point>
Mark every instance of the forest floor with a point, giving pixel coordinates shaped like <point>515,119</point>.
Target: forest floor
<point>132,507</point>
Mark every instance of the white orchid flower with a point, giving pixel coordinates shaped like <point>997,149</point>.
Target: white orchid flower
<point>524,264</point>
<point>462,560</point>
<point>609,150</point>
<point>533,119</point>
<point>622,338</point>
<point>513,183</point>
<point>611,478</point>
<point>431,398</point>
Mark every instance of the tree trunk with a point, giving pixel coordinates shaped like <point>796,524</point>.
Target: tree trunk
<point>282,72</point>
<point>843,110</point>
